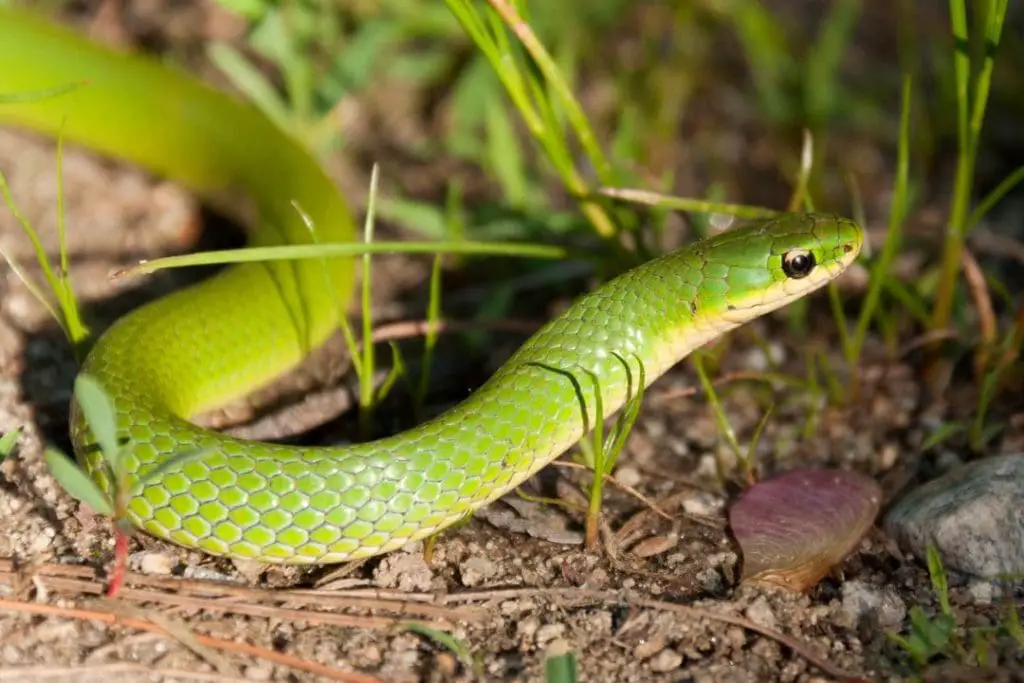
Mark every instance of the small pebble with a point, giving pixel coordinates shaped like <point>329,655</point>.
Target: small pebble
<point>477,570</point>
<point>628,476</point>
<point>984,592</point>
<point>974,515</point>
<point>665,661</point>
<point>649,647</point>
<point>878,607</point>
<point>702,504</point>
<point>548,633</point>
<point>656,545</point>
<point>761,613</point>
<point>404,571</point>
<point>259,672</point>
<point>156,563</point>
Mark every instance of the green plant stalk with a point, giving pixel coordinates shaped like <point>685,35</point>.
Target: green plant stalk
<point>494,45</point>
<point>989,390</point>
<point>8,441</point>
<point>430,338</point>
<point>561,669</point>
<point>881,268</point>
<point>749,460</point>
<point>606,451</point>
<point>969,124</point>
<point>595,459</point>
<point>66,314</point>
<point>61,314</point>
<point>566,98</point>
<point>366,387</point>
<point>992,198</point>
<point>718,412</point>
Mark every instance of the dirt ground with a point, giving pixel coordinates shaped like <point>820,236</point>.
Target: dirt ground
<point>514,585</point>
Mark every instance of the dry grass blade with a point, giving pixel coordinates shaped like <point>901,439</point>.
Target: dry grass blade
<point>409,329</point>
<point>987,326</point>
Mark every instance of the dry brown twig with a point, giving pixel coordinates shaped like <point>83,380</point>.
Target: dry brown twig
<point>987,326</point>
<point>213,596</point>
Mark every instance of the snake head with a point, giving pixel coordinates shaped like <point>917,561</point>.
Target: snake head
<point>758,268</point>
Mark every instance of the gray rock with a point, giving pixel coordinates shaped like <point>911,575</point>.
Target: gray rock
<point>973,515</point>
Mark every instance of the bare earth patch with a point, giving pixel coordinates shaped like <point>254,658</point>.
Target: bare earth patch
<point>513,585</point>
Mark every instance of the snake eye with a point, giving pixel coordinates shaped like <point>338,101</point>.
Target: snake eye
<point>797,263</point>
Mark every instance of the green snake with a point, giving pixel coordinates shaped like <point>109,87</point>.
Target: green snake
<point>202,346</point>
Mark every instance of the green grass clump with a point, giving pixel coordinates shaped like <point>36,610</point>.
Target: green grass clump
<point>933,638</point>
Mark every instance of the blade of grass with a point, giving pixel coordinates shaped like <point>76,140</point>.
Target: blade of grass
<point>561,668</point>
<point>343,322</point>
<point>366,393</point>
<point>717,411</point>
<point>77,483</point>
<point>688,204</point>
<point>536,104</point>
<point>882,266</point>
<point>8,440</point>
<point>99,413</point>
<point>333,250</point>
<point>970,116</point>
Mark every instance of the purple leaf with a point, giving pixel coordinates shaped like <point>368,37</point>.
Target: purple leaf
<point>793,529</point>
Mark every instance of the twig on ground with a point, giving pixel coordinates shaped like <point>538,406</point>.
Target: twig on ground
<point>234,599</point>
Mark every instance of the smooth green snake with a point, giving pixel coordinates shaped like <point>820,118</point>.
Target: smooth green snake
<point>210,343</point>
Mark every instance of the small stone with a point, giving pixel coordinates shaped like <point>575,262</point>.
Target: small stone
<point>737,637</point>
<point>984,592</point>
<point>702,504</point>
<point>665,661</point>
<point>761,613</point>
<point>557,648</point>
<point>649,647</point>
<point>974,515</point>
<point>42,540</point>
<point>597,579</point>
<point>628,476</point>
<point>548,633</point>
<point>250,569</point>
<point>477,570</point>
<point>259,672</point>
<point>527,628</point>
<point>656,545</point>
<point>404,571</point>
<point>156,563</point>
<point>710,580</point>
<point>877,607</point>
